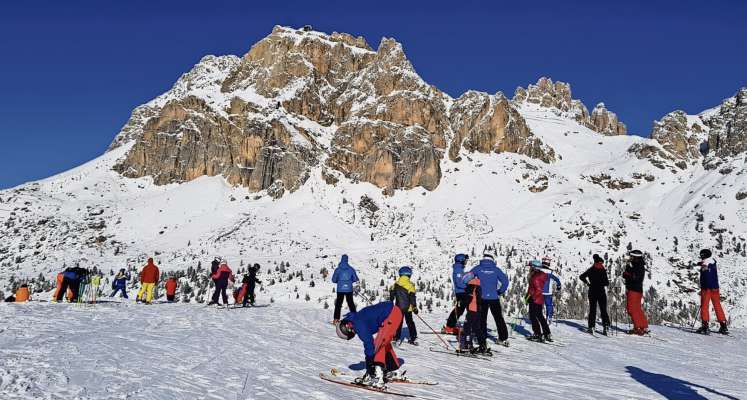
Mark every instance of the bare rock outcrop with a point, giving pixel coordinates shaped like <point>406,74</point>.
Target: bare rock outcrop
<point>674,134</point>
<point>728,126</point>
<point>558,96</point>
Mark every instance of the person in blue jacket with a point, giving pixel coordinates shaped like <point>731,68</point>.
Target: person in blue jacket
<point>709,293</point>
<point>548,290</point>
<point>344,276</point>
<point>493,283</point>
<point>381,320</point>
<point>120,283</point>
<point>462,298</point>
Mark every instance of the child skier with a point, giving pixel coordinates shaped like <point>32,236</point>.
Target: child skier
<point>535,298</point>
<point>493,284</point>
<point>634,274</point>
<point>548,291</point>
<point>472,323</point>
<point>171,285</point>
<point>403,295</point>
<point>709,292</point>
<point>120,283</point>
<point>382,320</point>
<point>459,292</point>
<point>247,286</point>
<point>597,281</point>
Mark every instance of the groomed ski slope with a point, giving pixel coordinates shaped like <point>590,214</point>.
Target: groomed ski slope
<point>188,351</point>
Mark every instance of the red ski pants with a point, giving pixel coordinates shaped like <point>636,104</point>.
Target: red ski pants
<point>385,355</point>
<point>633,306</point>
<point>707,296</point>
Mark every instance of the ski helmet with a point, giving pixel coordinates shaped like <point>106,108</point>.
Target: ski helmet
<point>636,254</point>
<point>461,258</point>
<point>535,264</point>
<point>597,259</point>
<point>546,261</point>
<point>705,253</point>
<point>345,329</point>
<point>406,271</point>
<point>490,256</point>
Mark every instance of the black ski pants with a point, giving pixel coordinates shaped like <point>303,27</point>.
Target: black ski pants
<point>462,301</point>
<point>472,329</point>
<point>412,331</point>
<point>73,285</point>
<point>539,322</point>
<point>494,306</point>
<point>220,290</point>
<point>338,303</point>
<point>598,298</point>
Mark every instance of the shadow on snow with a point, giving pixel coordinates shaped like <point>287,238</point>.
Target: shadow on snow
<point>671,388</point>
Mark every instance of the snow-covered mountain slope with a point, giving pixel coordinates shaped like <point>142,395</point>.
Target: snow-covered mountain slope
<point>187,351</point>
<point>522,179</point>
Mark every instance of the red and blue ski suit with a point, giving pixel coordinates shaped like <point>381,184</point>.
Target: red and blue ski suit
<point>381,320</point>
<point>709,291</point>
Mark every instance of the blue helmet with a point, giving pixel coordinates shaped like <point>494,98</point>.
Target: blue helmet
<point>535,264</point>
<point>461,258</point>
<point>406,271</point>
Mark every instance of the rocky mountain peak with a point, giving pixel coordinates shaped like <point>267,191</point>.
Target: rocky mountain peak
<point>678,136</point>
<point>728,126</point>
<point>558,96</point>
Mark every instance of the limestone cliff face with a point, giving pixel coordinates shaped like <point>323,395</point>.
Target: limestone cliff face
<point>558,96</point>
<point>677,136</point>
<point>301,98</point>
<point>486,124</point>
<point>728,126</point>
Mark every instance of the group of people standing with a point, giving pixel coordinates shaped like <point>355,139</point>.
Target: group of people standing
<point>478,292</point>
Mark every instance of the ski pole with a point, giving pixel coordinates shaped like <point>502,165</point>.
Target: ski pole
<point>434,332</point>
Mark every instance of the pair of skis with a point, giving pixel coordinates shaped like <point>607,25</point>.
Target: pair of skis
<point>341,378</point>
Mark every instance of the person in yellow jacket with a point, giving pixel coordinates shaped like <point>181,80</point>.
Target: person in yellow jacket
<point>403,295</point>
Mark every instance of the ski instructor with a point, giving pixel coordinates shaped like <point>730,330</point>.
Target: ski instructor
<point>381,320</point>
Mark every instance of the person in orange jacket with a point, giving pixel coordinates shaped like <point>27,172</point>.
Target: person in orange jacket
<point>60,278</point>
<point>148,279</point>
<point>22,294</point>
<point>171,285</point>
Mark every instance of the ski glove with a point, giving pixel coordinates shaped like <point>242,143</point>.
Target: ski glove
<point>415,311</point>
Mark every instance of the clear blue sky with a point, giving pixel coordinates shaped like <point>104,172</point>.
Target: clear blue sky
<point>71,71</point>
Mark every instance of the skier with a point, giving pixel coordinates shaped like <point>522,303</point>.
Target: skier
<point>248,284</point>
<point>462,298</point>
<point>221,278</point>
<point>22,294</point>
<point>472,322</point>
<point>60,277</point>
<point>148,279</point>
<point>344,276</point>
<point>493,283</point>
<point>214,265</point>
<point>709,292</point>
<point>120,283</point>
<point>71,279</point>
<point>634,274</point>
<point>403,295</point>
<point>171,285</point>
<point>549,290</point>
<point>535,298</point>
<point>382,320</point>
<point>596,279</point>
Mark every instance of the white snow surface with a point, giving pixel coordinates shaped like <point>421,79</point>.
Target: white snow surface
<point>119,350</point>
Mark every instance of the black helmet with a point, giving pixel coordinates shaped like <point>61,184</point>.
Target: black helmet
<point>636,253</point>
<point>345,329</point>
<point>597,259</point>
<point>705,253</point>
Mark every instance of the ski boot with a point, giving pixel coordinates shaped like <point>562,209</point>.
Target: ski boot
<point>535,338</point>
<point>548,338</point>
<point>377,380</point>
<point>412,342</point>
<point>449,330</point>
<point>503,343</point>
<point>605,330</point>
<point>723,329</point>
<point>704,329</point>
<point>590,330</point>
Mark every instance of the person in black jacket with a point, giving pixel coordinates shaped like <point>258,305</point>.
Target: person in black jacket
<point>633,275</point>
<point>597,281</point>
<point>249,281</point>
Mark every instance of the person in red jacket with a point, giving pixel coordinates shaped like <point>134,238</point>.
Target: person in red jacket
<point>472,322</point>
<point>148,279</point>
<point>171,285</point>
<point>536,300</point>
<point>221,278</point>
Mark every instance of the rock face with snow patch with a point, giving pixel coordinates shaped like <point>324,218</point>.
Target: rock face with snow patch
<point>728,126</point>
<point>557,95</point>
<point>674,134</point>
